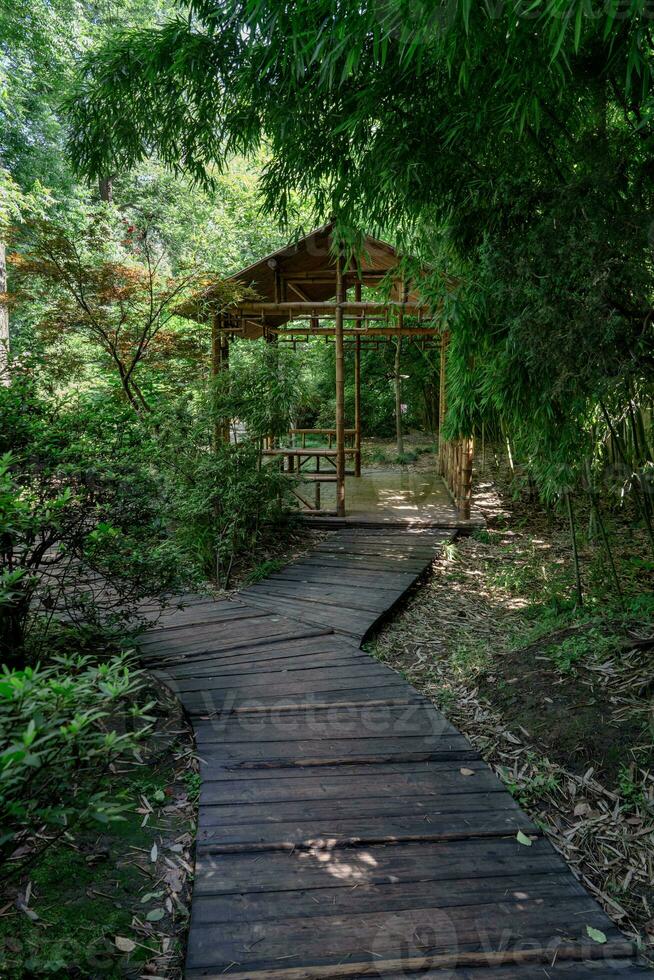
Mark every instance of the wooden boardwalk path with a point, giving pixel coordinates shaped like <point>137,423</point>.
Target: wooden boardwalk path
<point>345,827</point>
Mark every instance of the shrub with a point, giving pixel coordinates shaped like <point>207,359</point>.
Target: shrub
<point>79,502</point>
<point>221,500</point>
<point>59,736</point>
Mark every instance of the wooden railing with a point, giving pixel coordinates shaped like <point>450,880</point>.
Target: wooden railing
<point>455,460</point>
<point>300,435</point>
<point>305,464</point>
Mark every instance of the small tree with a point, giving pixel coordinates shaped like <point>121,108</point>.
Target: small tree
<point>106,281</point>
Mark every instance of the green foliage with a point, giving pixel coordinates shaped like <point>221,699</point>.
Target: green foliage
<point>531,200</point>
<point>541,780</point>
<point>264,569</point>
<point>405,458</point>
<point>419,387</point>
<point>104,286</point>
<point>221,501</point>
<point>59,734</point>
<point>77,498</point>
<point>629,788</point>
<point>575,649</point>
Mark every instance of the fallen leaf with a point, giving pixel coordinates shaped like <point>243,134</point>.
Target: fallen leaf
<point>596,934</point>
<point>467,772</point>
<point>155,915</point>
<point>124,945</point>
<point>149,896</point>
<point>523,839</point>
<point>154,853</point>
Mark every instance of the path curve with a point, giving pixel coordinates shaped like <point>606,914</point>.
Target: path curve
<point>345,827</point>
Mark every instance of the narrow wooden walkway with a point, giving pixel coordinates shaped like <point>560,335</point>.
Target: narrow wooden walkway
<point>345,827</point>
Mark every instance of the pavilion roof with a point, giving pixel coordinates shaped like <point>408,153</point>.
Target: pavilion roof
<point>304,270</point>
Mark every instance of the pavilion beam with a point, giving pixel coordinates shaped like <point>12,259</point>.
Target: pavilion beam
<point>355,332</point>
<point>325,307</point>
<point>340,389</point>
<point>319,275</point>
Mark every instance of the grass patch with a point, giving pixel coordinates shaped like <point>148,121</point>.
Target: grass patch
<point>264,569</point>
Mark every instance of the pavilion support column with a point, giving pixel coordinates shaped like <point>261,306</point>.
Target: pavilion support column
<point>357,389</point>
<point>340,389</point>
<point>224,366</point>
<point>219,363</point>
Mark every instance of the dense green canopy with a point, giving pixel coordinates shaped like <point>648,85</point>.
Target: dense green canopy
<point>510,142</point>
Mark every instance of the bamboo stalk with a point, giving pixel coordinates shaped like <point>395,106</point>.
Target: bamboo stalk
<point>340,392</point>
<point>575,552</point>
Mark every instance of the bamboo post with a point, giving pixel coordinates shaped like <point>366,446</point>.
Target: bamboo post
<point>399,438</point>
<point>224,366</point>
<point>357,389</point>
<point>466,478</point>
<point>340,390</point>
<point>216,368</point>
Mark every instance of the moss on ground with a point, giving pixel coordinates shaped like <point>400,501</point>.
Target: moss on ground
<point>109,904</point>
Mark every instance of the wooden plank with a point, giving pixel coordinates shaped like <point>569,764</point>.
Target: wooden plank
<point>344,831</point>
<point>391,897</point>
<point>296,644</point>
<point>427,931</point>
<point>349,721</point>
<point>352,577</point>
<point>200,615</point>
<point>328,869</point>
<point>373,599</point>
<point>218,669</point>
<point>323,691</point>
<point>371,563</point>
<point>198,641</point>
<point>454,964</point>
<point>369,784</point>
<point>609,969</point>
<point>368,547</point>
<point>357,671</point>
<point>303,812</point>
<point>348,621</point>
<point>206,706</point>
<point>252,778</point>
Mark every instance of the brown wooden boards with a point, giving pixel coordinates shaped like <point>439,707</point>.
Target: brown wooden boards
<point>345,827</point>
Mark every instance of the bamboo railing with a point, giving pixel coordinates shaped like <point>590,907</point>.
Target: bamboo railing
<point>455,460</point>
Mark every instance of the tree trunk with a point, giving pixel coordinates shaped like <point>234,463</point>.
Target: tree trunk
<point>13,617</point>
<point>4,319</point>
<point>398,397</point>
<point>106,189</point>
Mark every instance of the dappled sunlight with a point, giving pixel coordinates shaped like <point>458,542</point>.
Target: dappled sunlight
<point>343,864</point>
<point>396,494</point>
